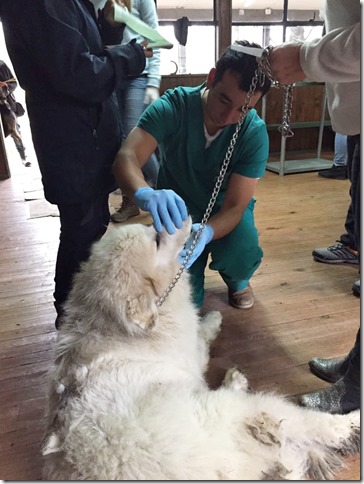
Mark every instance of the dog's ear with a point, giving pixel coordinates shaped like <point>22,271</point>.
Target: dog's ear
<point>142,310</point>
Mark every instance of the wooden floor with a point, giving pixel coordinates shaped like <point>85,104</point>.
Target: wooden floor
<point>303,308</point>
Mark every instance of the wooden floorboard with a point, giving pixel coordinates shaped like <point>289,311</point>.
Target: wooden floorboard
<point>303,309</point>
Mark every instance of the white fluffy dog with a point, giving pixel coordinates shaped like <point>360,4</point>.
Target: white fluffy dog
<point>128,399</point>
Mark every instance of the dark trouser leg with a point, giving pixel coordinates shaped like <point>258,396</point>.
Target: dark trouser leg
<point>81,226</point>
<point>350,383</point>
<point>352,224</point>
<point>354,141</point>
<point>352,375</point>
<point>348,238</point>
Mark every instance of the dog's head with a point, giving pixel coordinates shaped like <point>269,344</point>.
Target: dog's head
<point>127,272</point>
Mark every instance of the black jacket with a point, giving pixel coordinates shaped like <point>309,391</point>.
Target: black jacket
<point>69,78</point>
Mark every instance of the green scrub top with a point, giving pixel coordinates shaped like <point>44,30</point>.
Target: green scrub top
<point>175,120</point>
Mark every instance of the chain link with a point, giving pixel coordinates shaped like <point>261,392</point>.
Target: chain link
<point>264,64</point>
<point>262,71</point>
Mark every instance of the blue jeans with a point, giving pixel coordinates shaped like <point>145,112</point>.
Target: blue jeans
<point>340,157</point>
<point>131,103</point>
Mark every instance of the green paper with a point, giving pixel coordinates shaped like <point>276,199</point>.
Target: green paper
<point>156,40</point>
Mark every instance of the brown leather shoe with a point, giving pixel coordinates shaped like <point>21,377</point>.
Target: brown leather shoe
<point>242,299</point>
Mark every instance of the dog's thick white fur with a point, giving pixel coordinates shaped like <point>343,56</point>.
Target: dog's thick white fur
<point>128,399</point>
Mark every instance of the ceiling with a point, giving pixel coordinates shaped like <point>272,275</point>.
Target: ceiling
<point>243,4</point>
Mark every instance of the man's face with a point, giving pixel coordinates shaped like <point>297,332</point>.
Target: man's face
<point>225,100</point>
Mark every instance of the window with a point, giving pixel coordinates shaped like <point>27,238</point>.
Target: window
<point>260,34</point>
<point>189,59</point>
<point>302,33</point>
<point>262,21</point>
<point>195,10</point>
<point>198,56</point>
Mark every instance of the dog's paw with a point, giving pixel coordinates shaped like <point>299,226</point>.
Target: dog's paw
<point>235,380</point>
<point>51,444</point>
<point>210,325</point>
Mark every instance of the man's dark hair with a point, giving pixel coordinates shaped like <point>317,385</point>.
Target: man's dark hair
<point>243,65</point>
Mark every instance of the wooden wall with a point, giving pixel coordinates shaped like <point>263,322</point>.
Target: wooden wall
<point>174,80</point>
<point>305,116</point>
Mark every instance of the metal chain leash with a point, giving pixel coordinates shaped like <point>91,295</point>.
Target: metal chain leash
<point>261,72</point>
<point>264,64</point>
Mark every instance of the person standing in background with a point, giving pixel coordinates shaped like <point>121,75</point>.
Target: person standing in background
<point>10,109</point>
<point>334,59</point>
<point>136,95</point>
<point>69,79</point>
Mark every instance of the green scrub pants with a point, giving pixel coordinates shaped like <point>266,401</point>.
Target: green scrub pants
<point>236,257</point>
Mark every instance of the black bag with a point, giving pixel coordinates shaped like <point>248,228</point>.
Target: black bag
<point>20,111</point>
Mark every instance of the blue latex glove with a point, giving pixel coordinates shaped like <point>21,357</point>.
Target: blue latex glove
<point>165,206</point>
<point>205,237</point>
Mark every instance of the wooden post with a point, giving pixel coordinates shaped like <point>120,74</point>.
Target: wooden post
<point>223,31</point>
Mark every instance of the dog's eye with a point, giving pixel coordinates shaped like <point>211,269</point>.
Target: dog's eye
<point>157,238</point>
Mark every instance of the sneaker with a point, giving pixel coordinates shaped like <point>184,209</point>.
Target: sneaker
<point>335,172</point>
<point>336,254</point>
<point>127,210</point>
<point>242,299</point>
<point>356,288</point>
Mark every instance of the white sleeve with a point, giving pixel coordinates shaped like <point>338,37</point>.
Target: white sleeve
<point>333,58</point>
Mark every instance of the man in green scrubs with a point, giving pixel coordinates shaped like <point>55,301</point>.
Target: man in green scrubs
<point>192,128</point>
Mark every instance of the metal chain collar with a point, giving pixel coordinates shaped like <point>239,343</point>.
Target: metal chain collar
<point>259,75</point>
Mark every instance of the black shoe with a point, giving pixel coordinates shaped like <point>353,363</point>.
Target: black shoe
<point>335,172</point>
<point>356,288</point>
<point>339,398</point>
<point>336,254</point>
<point>331,369</point>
